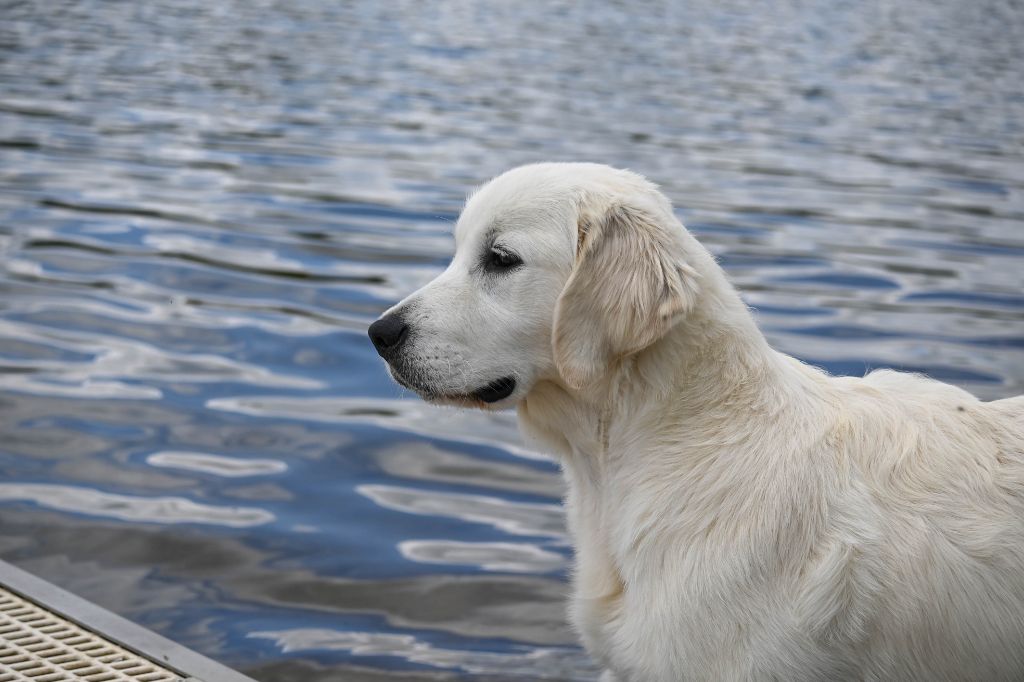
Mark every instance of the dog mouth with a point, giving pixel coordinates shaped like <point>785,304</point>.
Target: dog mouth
<point>495,391</point>
<point>499,389</point>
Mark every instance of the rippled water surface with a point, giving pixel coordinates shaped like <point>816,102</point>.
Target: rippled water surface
<point>203,204</point>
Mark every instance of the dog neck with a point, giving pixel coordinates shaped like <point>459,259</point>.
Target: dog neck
<point>676,418</point>
<point>715,356</point>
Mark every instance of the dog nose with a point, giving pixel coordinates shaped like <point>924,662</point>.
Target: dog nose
<point>388,333</point>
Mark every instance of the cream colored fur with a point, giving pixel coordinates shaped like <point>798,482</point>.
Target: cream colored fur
<point>737,515</point>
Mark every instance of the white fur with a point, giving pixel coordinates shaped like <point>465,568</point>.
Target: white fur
<point>737,515</point>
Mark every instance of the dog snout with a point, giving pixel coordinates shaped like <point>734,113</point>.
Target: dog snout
<point>388,334</point>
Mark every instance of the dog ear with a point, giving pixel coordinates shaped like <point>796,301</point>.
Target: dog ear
<point>629,286</point>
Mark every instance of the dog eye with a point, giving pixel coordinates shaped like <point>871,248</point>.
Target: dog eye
<point>498,260</point>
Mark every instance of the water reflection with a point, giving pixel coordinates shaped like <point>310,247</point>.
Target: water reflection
<point>116,357</point>
<point>423,461</point>
<point>515,518</point>
<point>505,557</point>
<point>548,664</point>
<point>488,429</point>
<point>132,508</point>
<point>217,465</point>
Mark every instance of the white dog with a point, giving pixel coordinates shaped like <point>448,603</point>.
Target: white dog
<point>737,515</point>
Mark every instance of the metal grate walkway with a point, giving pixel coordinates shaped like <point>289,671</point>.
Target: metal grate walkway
<point>38,646</point>
<point>49,635</point>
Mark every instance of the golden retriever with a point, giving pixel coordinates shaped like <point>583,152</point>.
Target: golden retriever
<point>736,514</point>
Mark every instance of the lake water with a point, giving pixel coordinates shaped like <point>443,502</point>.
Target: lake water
<point>204,204</point>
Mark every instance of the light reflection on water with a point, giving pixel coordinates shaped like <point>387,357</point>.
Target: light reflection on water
<point>204,205</point>
<point>545,664</point>
<point>513,518</point>
<point>215,464</point>
<point>163,510</point>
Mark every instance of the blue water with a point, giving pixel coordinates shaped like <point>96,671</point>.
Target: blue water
<point>203,205</point>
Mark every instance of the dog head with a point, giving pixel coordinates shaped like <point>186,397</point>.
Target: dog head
<point>560,270</point>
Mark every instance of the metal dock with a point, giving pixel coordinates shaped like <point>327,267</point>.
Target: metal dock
<point>49,635</point>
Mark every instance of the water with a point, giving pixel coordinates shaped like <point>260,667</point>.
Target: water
<point>204,205</point>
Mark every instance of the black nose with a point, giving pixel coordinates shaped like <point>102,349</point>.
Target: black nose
<point>388,333</point>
